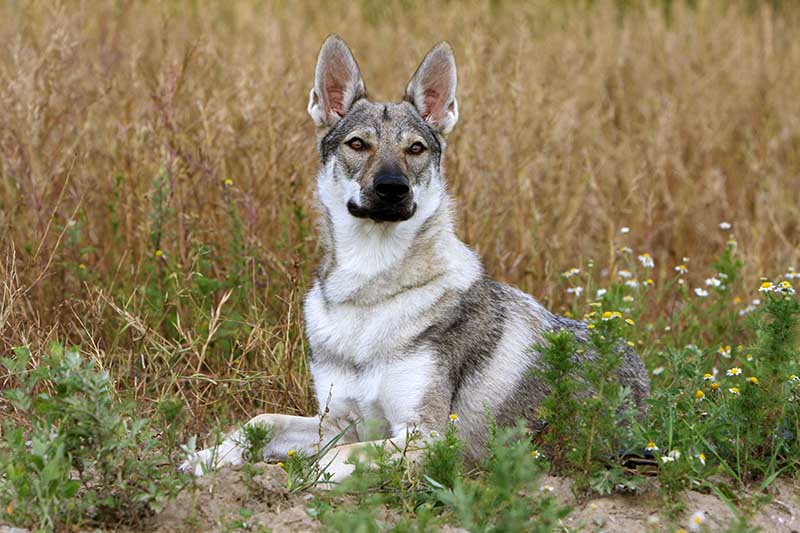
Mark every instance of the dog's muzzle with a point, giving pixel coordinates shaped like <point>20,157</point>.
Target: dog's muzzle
<point>390,200</point>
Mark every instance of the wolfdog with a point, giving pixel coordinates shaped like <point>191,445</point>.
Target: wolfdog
<point>403,323</point>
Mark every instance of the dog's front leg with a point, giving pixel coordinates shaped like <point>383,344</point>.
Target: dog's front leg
<point>299,433</point>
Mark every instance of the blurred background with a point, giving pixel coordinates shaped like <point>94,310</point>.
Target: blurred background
<point>157,164</point>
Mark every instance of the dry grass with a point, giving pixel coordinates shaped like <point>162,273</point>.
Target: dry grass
<point>121,121</point>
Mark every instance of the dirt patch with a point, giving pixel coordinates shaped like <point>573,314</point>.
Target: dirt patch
<point>645,511</point>
<point>234,497</point>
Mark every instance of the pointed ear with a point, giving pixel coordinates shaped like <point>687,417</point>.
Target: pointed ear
<point>337,83</point>
<point>432,89</point>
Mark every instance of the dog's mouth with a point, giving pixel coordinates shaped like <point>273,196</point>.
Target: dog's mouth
<point>383,213</point>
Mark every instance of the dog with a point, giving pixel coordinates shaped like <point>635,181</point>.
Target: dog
<point>405,327</point>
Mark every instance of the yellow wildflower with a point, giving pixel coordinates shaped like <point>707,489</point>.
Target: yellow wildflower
<point>699,395</point>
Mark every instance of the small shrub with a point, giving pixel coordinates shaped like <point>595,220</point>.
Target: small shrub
<point>90,459</point>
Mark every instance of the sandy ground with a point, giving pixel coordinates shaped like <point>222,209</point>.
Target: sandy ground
<point>217,501</point>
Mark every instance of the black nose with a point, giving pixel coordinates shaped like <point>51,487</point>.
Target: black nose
<point>391,187</point>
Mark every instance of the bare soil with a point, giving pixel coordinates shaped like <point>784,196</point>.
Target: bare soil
<point>217,500</point>
<point>216,503</point>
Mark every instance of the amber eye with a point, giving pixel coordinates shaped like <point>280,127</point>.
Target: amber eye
<point>416,148</point>
<point>357,144</point>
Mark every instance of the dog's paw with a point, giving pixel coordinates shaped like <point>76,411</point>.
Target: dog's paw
<point>198,463</point>
<point>336,468</point>
<point>204,461</point>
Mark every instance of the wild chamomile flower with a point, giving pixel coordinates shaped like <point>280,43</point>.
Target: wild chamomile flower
<point>725,351</point>
<point>697,519</point>
<point>649,282</point>
<point>681,269</point>
<point>646,260</point>
<point>724,225</point>
<point>671,457</point>
<point>699,395</point>
<point>625,230</point>
<point>732,241</point>
<point>753,380</point>
<point>791,273</point>
<point>535,454</point>
<point>784,287</point>
<point>571,272</point>
<point>657,371</point>
<point>626,250</point>
<point>453,417</point>
<point>735,371</point>
<point>627,298</point>
<point>610,315</point>
<point>749,358</point>
<point>766,286</point>
<point>734,390</point>
<point>633,283</point>
<point>601,293</point>
<point>547,488</point>
<point>625,274</point>
<point>708,377</point>
<point>702,293</point>
<point>702,458</point>
<point>713,282</point>
<point>794,378</point>
<point>158,253</point>
<point>577,291</point>
<point>651,447</point>
<point>290,453</point>
<point>714,386</point>
<point>228,182</point>
<point>280,464</point>
<point>630,321</point>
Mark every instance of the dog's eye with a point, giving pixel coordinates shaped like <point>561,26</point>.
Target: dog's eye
<point>416,148</point>
<point>357,144</point>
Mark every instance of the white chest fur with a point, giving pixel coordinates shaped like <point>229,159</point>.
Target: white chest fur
<point>387,395</point>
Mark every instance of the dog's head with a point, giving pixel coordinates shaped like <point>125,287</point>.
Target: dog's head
<point>380,161</point>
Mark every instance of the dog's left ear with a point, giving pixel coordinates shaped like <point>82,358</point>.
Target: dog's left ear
<point>432,89</point>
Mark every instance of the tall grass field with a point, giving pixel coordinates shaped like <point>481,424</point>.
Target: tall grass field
<point>634,164</point>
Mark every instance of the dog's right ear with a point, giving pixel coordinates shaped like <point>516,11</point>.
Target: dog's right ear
<point>337,83</point>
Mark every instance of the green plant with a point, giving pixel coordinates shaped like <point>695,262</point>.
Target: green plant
<point>255,438</point>
<point>90,461</point>
<point>507,495</point>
